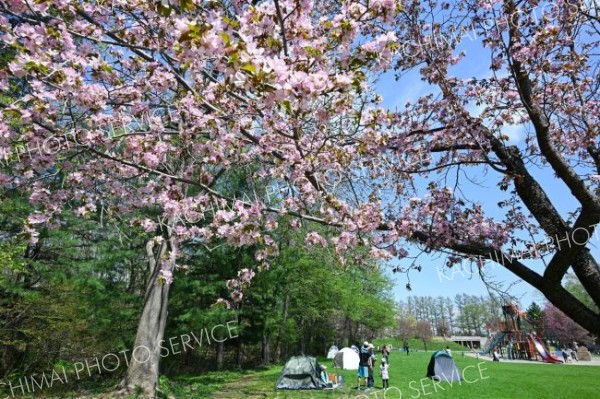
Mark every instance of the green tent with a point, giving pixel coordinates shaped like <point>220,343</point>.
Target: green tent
<point>301,372</point>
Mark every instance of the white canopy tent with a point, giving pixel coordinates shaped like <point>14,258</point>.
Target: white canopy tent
<point>346,359</point>
<point>333,350</point>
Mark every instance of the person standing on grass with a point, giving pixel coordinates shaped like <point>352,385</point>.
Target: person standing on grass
<point>384,372</point>
<point>364,364</point>
<point>371,381</point>
<point>385,354</point>
<point>495,355</point>
<point>406,349</point>
<point>448,350</point>
<point>566,355</point>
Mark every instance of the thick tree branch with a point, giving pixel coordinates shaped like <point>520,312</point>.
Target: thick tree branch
<point>569,246</point>
<point>560,297</point>
<point>446,165</point>
<point>588,272</point>
<point>541,123</point>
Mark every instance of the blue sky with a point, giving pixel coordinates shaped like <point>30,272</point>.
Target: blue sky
<point>430,281</point>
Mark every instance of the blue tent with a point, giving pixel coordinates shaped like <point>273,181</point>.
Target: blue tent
<point>442,368</point>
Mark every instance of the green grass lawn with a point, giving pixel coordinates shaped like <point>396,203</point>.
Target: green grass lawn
<point>417,345</point>
<point>483,379</point>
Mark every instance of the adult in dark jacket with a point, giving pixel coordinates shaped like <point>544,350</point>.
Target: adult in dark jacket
<point>364,364</point>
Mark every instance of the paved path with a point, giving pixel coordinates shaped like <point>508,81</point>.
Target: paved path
<point>595,360</point>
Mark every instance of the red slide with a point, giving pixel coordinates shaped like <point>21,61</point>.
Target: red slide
<point>541,349</point>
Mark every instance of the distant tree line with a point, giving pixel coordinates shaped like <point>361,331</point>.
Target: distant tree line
<point>424,316</point>
<point>462,315</point>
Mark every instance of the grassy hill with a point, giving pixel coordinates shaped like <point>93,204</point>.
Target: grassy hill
<point>437,343</point>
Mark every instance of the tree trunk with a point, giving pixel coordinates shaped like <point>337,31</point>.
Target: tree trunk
<point>348,332</point>
<point>302,337</point>
<point>281,327</point>
<point>266,348</point>
<point>143,364</point>
<point>220,351</point>
<point>587,271</point>
<point>238,357</point>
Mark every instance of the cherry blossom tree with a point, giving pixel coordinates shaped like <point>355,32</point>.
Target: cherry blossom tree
<point>542,81</point>
<point>560,326</point>
<point>141,108</point>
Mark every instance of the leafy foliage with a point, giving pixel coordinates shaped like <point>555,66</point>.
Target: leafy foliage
<point>535,317</point>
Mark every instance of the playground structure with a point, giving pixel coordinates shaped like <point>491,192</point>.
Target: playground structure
<point>509,338</point>
<point>541,349</point>
<point>513,343</point>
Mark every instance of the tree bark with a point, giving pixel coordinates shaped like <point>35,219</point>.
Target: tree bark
<point>587,271</point>
<point>347,332</point>
<point>282,326</point>
<point>302,337</point>
<point>266,348</point>
<point>238,357</point>
<point>220,351</point>
<point>144,359</point>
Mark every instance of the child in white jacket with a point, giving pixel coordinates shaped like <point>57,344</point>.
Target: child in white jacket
<point>385,376</point>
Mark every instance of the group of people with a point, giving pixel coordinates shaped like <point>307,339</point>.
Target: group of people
<point>570,353</point>
<point>366,366</point>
